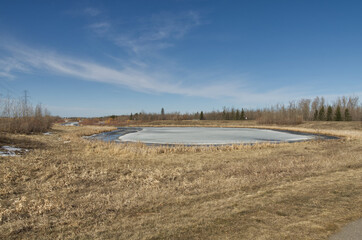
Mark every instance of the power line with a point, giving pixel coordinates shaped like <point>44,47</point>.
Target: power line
<point>26,97</point>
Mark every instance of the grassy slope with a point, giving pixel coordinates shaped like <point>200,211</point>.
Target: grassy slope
<point>87,189</point>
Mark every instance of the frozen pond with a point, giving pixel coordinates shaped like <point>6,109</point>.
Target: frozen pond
<point>209,136</point>
<point>201,135</point>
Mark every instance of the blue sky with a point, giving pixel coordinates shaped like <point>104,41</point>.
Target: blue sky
<point>95,58</point>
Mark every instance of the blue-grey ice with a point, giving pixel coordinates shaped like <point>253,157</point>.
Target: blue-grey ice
<point>210,136</point>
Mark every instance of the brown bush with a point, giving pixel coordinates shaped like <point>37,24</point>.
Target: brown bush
<point>19,117</point>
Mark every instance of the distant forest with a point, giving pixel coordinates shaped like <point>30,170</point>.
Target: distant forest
<point>317,109</point>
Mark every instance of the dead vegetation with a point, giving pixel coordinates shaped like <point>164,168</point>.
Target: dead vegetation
<point>17,116</point>
<point>69,187</point>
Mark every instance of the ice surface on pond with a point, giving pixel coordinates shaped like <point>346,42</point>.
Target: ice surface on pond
<point>210,136</point>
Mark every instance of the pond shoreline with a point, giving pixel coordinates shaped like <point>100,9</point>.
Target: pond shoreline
<point>115,135</point>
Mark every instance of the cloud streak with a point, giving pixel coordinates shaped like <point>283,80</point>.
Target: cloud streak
<point>100,27</point>
<point>93,12</point>
<point>144,69</point>
<point>134,77</point>
<point>151,33</point>
<point>10,65</point>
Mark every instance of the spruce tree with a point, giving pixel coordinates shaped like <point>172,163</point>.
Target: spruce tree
<point>242,116</point>
<point>315,117</point>
<point>227,116</point>
<point>321,114</point>
<point>329,113</point>
<point>131,117</point>
<point>347,116</point>
<point>224,114</point>
<point>237,115</point>
<point>338,115</point>
<point>232,117</point>
<point>163,114</point>
<point>202,115</point>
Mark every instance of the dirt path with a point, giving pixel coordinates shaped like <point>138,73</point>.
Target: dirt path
<point>352,231</point>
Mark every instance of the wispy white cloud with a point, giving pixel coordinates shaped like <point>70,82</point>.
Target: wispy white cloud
<point>151,33</point>
<point>100,27</point>
<point>91,11</point>
<point>168,26</point>
<point>137,78</point>
<point>9,65</point>
<point>6,74</point>
<point>55,63</point>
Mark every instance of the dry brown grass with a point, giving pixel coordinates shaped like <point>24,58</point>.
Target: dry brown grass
<point>68,187</point>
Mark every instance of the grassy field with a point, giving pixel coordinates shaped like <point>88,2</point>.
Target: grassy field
<point>67,187</point>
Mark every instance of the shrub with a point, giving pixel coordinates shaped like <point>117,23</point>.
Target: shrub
<point>18,117</point>
<point>281,115</point>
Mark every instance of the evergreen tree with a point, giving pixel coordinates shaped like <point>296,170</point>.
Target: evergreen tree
<point>227,116</point>
<point>202,116</point>
<point>347,116</point>
<point>131,117</point>
<point>338,115</point>
<point>237,115</point>
<point>162,113</point>
<point>232,114</point>
<point>242,116</point>
<point>224,114</point>
<point>329,113</point>
<point>315,117</point>
<point>321,114</point>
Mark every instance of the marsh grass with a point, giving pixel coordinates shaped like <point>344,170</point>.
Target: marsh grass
<point>68,187</point>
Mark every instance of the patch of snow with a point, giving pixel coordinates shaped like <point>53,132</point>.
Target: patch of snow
<point>9,151</point>
<point>71,124</point>
<point>7,154</point>
<point>47,133</point>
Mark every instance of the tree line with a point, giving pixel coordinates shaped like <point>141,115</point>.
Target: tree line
<point>317,109</point>
<point>295,112</point>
